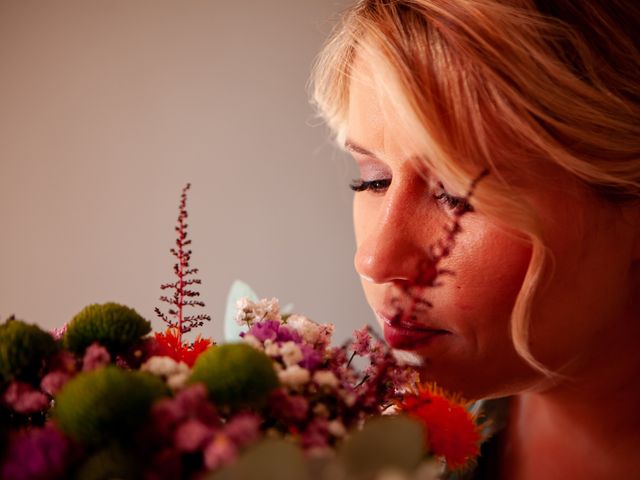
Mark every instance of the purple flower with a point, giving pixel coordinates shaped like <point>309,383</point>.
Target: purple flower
<point>286,334</point>
<point>243,429</point>
<point>221,451</point>
<point>37,453</point>
<point>267,329</point>
<point>275,331</point>
<point>362,341</point>
<point>25,399</point>
<point>191,436</point>
<point>311,357</point>
<point>96,356</point>
<point>53,382</point>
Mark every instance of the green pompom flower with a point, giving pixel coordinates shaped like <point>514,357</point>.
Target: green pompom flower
<point>235,375</point>
<point>104,404</point>
<point>113,326</point>
<point>109,463</point>
<point>23,349</point>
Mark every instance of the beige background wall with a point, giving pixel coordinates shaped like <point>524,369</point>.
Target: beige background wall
<point>108,107</point>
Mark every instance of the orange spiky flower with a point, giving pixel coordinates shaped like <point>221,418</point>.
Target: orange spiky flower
<point>451,431</point>
<point>169,344</point>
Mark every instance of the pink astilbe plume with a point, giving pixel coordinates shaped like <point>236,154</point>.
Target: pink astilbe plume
<point>408,298</point>
<point>183,294</point>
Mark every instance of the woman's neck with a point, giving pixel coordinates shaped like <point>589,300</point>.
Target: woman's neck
<point>587,428</point>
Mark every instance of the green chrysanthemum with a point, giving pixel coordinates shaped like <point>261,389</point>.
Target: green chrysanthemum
<point>108,403</point>
<point>236,375</point>
<point>23,349</point>
<point>109,463</point>
<point>113,326</point>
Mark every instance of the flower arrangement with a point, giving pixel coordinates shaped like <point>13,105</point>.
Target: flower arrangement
<point>104,398</point>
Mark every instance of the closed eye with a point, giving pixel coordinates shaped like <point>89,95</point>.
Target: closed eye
<point>452,202</point>
<point>376,186</point>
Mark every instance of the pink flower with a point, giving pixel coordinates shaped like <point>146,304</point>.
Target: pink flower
<point>58,333</point>
<point>362,341</point>
<point>96,356</point>
<point>53,382</point>
<point>316,434</point>
<point>37,453</point>
<point>191,436</point>
<point>243,429</point>
<point>220,452</point>
<point>25,399</point>
<point>288,408</point>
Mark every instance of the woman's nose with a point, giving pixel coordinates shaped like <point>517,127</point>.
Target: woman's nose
<point>395,248</point>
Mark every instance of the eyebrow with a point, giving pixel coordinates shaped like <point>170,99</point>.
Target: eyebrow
<point>354,147</point>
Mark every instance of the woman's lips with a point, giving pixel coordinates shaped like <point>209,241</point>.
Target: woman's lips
<point>408,335</point>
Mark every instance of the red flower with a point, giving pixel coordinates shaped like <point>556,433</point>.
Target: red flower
<point>169,344</point>
<point>450,430</point>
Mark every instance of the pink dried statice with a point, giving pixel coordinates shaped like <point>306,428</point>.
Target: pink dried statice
<point>316,435</point>
<point>243,429</point>
<point>24,399</point>
<point>37,454</point>
<point>53,382</point>
<point>96,356</point>
<point>58,333</point>
<point>287,408</point>
<point>191,435</point>
<point>221,451</point>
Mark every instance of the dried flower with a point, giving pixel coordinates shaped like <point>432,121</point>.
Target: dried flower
<point>294,376</point>
<point>37,453</point>
<point>53,382</point>
<point>183,295</point>
<point>169,344</point>
<point>24,399</point>
<point>450,429</point>
<point>221,451</point>
<point>95,356</point>
<point>291,353</point>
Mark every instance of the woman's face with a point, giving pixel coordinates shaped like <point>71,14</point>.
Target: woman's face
<point>464,338</point>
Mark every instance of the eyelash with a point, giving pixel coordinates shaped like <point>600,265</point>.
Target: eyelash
<point>379,186</point>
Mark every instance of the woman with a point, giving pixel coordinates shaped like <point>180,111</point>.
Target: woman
<point>517,121</point>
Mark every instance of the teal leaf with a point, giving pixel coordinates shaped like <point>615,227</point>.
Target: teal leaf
<point>238,290</point>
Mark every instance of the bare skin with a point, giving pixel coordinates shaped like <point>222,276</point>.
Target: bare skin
<point>586,322</point>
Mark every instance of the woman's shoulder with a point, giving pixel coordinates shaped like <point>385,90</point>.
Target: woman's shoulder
<point>492,418</point>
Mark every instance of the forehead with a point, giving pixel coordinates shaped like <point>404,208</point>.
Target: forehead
<point>373,119</point>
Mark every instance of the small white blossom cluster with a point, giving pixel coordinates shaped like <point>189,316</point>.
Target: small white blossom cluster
<point>318,334</point>
<point>249,312</point>
<point>175,374</point>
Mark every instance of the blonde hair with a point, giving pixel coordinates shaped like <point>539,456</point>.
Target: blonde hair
<point>504,85</point>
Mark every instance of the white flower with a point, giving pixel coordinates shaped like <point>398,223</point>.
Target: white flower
<point>337,428</point>
<point>325,378</point>
<point>252,341</point>
<point>162,366</point>
<point>294,376</point>
<point>271,348</point>
<point>311,332</point>
<point>178,380</point>
<point>249,311</point>
<point>291,353</point>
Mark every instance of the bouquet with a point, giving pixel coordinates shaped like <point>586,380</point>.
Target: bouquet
<point>104,398</point>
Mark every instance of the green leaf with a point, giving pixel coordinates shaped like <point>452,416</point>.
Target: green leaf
<point>396,442</point>
<point>238,290</point>
<point>271,459</point>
